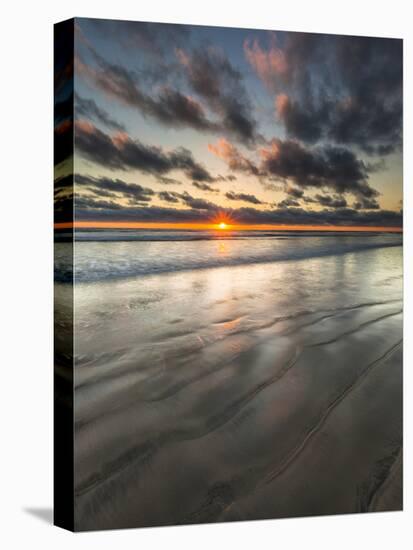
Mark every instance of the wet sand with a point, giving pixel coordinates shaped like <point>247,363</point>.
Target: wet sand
<point>239,393</point>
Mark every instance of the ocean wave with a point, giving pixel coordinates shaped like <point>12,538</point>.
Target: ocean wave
<point>98,264</point>
<point>155,235</point>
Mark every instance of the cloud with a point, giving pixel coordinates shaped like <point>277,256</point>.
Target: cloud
<point>294,192</point>
<point>176,109</point>
<point>213,77</point>
<point>87,205</point>
<point>208,212</point>
<point>328,167</point>
<point>120,152</point>
<point>170,107</point>
<point>169,196</point>
<point>63,93</point>
<point>335,168</point>
<point>270,64</point>
<point>233,157</point>
<point>331,202</point>
<point>204,187</point>
<point>64,183</point>
<point>286,203</point>
<point>305,123</point>
<point>63,141</point>
<point>197,204</point>
<point>63,109</point>
<point>168,181</point>
<point>366,204</point>
<point>188,200</point>
<point>371,112</point>
<point>243,197</point>
<point>154,38</point>
<point>88,108</point>
<point>91,203</point>
<point>104,185</point>
<point>347,90</point>
<point>209,73</point>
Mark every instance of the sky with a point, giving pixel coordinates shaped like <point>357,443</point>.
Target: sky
<point>186,124</point>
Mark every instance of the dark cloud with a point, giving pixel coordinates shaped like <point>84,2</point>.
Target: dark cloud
<point>64,183</point>
<point>209,73</point>
<point>344,89</point>
<point>63,206</point>
<point>169,196</point>
<point>176,109</point>
<point>63,141</point>
<point>168,106</point>
<point>154,38</point>
<point>328,167</point>
<point>208,212</point>
<point>331,202</point>
<point>182,159</point>
<point>63,109</point>
<point>213,77</point>
<point>188,200</point>
<point>91,203</point>
<point>371,71</point>
<point>88,108</point>
<point>204,187</point>
<point>63,92</point>
<point>116,186</point>
<point>198,204</point>
<point>103,193</point>
<point>304,122</point>
<point>234,158</point>
<point>286,203</point>
<point>294,192</point>
<point>335,168</point>
<point>243,197</point>
<point>168,181</point>
<point>122,153</point>
<point>366,204</point>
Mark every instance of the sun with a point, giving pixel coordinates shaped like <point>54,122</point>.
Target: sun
<point>222,225</point>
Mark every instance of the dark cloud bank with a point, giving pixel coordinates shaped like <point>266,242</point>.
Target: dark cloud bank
<point>204,211</point>
<point>93,207</point>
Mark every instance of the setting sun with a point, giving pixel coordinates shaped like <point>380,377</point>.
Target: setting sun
<point>222,225</point>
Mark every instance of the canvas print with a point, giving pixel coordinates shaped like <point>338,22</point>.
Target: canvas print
<point>228,274</point>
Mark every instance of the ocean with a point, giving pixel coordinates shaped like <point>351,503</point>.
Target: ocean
<point>104,254</point>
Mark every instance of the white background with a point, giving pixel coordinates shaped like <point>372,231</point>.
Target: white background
<point>26,272</point>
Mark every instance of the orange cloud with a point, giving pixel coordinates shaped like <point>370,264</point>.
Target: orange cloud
<point>232,156</point>
<point>268,64</point>
<point>85,126</point>
<point>272,152</point>
<point>282,102</point>
<point>182,56</point>
<point>120,138</point>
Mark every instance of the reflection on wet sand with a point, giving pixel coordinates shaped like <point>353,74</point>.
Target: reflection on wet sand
<point>240,392</point>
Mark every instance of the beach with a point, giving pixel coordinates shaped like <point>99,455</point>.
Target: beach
<point>236,377</point>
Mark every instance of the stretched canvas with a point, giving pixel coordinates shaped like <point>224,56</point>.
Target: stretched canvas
<point>228,274</point>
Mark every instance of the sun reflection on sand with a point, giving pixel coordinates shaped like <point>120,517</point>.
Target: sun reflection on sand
<point>223,249</point>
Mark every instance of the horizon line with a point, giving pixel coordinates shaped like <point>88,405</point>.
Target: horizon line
<point>228,226</point>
